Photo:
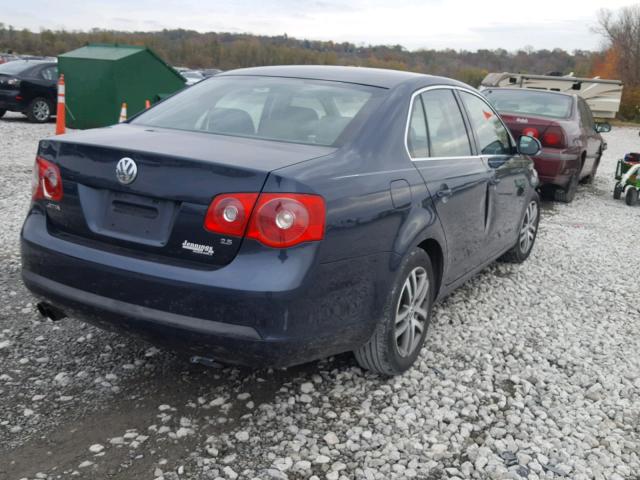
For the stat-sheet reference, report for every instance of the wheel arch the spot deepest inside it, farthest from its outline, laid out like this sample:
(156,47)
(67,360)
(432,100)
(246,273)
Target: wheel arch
(436,254)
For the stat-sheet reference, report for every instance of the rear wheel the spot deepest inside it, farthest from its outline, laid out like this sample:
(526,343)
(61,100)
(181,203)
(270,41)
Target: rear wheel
(568,193)
(617,191)
(631,198)
(399,337)
(39,110)
(526,236)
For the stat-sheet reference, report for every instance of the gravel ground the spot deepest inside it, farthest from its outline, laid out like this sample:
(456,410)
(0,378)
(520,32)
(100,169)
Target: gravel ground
(530,371)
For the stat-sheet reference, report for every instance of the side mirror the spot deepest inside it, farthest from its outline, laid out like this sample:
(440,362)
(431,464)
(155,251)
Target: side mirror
(529,145)
(603,127)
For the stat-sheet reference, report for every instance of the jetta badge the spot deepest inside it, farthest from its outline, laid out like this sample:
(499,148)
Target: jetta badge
(126,170)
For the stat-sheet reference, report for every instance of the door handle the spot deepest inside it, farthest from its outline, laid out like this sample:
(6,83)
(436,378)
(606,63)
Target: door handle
(444,192)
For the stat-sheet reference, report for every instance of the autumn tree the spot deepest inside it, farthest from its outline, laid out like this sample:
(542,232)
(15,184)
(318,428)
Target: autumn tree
(621,59)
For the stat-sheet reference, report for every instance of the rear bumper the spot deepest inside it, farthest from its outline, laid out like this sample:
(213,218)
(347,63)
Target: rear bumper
(556,166)
(267,307)
(11,100)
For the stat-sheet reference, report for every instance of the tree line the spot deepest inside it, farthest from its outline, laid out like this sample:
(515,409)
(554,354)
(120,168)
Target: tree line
(189,48)
(621,58)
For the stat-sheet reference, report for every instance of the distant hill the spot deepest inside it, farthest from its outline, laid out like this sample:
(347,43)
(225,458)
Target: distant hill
(229,50)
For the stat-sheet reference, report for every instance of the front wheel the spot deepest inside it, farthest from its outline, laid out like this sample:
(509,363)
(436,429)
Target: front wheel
(39,110)
(527,234)
(631,198)
(592,176)
(617,191)
(399,336)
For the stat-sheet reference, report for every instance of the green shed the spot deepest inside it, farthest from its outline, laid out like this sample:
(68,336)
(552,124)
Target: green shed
(100,77)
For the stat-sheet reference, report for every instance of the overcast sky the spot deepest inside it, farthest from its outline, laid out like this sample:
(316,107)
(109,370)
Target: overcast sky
(411,23)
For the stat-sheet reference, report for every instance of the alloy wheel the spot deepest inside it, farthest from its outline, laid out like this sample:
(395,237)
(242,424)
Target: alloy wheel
(41,110)
(411,314)
(529,227)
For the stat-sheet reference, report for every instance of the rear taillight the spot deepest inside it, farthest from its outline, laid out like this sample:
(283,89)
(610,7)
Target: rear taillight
(277,220)
(229,214)
(47,181)
(284,220)
(553,137)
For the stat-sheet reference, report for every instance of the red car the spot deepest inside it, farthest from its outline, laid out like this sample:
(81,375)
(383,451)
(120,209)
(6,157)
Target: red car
(571,140)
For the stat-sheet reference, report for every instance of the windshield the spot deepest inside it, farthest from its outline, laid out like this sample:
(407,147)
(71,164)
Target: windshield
(271,108)
(529,102)
(16,67)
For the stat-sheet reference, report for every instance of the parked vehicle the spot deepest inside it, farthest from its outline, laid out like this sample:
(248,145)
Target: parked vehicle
(210,72)
(276,215)
(29,87)
(628,178)
(7,57)
(571,142)
(192,76)
(602,96)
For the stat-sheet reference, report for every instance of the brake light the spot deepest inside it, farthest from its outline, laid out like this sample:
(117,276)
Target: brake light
(553,137)
(47,181)
(229,214)
(283,220)
(276,220)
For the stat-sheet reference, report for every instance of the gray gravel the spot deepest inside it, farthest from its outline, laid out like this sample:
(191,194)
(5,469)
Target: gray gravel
(530,371)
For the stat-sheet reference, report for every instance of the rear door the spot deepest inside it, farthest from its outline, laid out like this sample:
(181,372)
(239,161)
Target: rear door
(507,169)
(456,177)
(592,138)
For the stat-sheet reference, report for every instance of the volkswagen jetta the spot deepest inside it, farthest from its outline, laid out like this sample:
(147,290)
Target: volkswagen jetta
(276,215)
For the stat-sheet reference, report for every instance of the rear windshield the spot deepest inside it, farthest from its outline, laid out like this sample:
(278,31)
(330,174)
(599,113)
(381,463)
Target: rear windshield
(16,67)
(529,102)
(285,109)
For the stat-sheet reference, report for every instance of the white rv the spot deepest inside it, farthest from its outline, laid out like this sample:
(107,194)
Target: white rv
(603,96)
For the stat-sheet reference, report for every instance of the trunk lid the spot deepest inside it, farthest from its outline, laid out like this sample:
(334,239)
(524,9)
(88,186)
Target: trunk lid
(519,123)
(160,214)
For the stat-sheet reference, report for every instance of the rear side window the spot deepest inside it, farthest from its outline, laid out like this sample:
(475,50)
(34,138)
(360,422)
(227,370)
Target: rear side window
(49,73)
(445,126)
(285,109)
(490,133)
(417,135)
(586,118)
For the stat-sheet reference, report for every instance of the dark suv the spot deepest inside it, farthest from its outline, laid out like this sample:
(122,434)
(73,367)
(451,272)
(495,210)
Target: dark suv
(29,87)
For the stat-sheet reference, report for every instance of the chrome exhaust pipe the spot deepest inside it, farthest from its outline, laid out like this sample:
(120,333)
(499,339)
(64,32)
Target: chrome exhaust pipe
(207,362)
(50,312)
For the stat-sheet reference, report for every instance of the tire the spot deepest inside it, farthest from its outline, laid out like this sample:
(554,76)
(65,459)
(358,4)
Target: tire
(527,234)
(631,198)
(592,175)
(39,110)
(388,352)
(568,193)
(617,191)
(2,112)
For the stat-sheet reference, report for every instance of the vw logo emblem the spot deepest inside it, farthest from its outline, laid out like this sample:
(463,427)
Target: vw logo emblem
(126,170)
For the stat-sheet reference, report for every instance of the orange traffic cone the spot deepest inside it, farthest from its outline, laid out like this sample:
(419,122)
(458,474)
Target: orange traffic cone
(123,113)
(60,111)
(147,104)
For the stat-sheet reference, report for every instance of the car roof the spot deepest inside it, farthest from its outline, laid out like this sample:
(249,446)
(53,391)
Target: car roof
(376,77)
(17,67)
(534,90)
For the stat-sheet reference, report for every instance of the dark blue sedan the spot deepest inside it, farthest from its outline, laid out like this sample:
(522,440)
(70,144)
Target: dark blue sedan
(276,215)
